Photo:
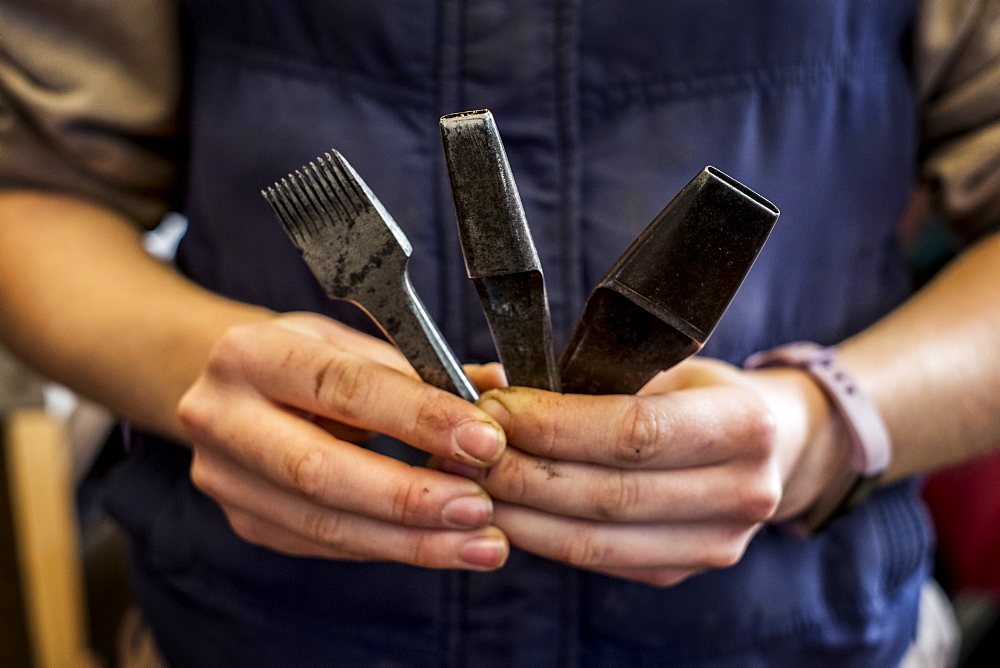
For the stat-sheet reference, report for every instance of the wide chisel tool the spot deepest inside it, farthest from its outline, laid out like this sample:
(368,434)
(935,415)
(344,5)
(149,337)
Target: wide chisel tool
(358,253)
(660,302)
(500,257)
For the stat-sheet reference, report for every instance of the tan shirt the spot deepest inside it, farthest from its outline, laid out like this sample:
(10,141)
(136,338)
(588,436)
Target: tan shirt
(90,93)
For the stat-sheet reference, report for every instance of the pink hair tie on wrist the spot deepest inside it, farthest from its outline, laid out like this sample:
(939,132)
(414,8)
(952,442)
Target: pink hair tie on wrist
(871,445)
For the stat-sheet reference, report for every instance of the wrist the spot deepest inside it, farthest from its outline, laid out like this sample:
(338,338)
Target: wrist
(848,446)
(811,442)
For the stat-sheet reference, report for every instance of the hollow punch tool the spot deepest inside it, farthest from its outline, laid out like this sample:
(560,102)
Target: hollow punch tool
(359,254)
(500,256)
(661,300)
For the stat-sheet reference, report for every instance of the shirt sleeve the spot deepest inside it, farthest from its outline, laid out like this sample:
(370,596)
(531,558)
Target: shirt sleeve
(957,62)
(89,97)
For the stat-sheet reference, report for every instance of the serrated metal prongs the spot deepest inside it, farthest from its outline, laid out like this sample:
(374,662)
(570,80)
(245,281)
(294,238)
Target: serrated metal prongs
(358,253)
(334,172)
(321,192)
(283,202)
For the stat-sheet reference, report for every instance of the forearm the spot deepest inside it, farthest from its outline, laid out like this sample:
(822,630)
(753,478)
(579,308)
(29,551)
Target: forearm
(86,305)
(933,366)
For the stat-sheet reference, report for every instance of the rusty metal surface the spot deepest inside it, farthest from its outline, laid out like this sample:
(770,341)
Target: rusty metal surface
(500,256)
(359,254)
(660,302)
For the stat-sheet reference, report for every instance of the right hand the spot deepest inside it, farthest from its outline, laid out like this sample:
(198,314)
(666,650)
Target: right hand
(275,420)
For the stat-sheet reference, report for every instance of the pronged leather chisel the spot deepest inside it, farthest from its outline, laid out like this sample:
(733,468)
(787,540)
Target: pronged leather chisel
(358,253)
(500,256)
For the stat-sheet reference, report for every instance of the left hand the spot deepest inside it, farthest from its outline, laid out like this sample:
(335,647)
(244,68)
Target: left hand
(661,485)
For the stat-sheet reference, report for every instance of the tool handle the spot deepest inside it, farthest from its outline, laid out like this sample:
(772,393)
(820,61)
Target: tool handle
(408,325)
(517,312)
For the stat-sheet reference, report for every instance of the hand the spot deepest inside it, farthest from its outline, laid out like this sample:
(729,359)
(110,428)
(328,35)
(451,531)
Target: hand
(658,486)
(274,422)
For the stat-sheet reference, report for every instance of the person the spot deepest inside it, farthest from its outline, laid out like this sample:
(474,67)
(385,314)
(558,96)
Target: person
(277,510)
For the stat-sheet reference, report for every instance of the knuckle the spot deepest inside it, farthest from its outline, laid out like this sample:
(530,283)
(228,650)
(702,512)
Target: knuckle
(195,409)
(345,386)
(585,550)
(643,433)
(324,527)
(188,411)
(405,507)
(519,488)
(620,493)
(308,471)
(422,551)
(247,528)
(727,551)
(435,414)
(759,430)
(759,500)
(203,477)
(508,479)
(231,350)
(548,437)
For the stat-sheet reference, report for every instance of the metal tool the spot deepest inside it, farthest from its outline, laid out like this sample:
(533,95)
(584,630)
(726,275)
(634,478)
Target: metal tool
(359,254)
(660,302)
(500,257)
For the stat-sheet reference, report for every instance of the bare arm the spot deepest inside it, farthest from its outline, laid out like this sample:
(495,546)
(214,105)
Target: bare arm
(85,304)
(933,366)
(89,95)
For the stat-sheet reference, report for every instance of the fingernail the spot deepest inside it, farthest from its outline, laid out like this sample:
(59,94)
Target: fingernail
(479,440)
(468,512)
(495,410)
(486,551)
